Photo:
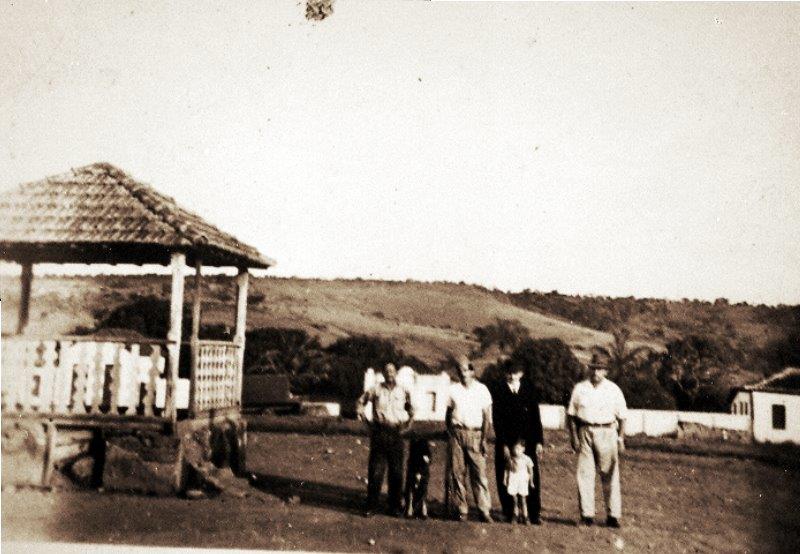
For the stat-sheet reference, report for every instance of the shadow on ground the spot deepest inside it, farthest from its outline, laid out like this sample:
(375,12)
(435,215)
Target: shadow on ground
(326,495)
(313,493)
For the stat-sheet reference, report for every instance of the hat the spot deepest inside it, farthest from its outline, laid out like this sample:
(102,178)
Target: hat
(597,363)
(512,367)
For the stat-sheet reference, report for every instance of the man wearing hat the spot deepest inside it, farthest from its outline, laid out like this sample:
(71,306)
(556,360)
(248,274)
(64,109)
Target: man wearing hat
(515,416)
(596,415)
(468,417)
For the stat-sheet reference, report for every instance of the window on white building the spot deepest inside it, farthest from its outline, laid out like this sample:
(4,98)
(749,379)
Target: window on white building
(778,416)
(432,400)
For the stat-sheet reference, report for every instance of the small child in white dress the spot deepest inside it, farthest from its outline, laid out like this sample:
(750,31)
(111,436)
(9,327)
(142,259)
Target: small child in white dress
(517,479)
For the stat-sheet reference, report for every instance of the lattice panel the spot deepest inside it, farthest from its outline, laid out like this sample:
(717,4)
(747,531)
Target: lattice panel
(216,377)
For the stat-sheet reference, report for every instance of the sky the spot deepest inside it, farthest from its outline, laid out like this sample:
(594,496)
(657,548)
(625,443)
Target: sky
(610,149)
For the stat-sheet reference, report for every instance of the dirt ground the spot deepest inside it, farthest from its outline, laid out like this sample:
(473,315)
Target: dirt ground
(309,490)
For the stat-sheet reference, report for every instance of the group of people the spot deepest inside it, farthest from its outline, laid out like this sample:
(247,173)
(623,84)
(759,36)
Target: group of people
(596,422)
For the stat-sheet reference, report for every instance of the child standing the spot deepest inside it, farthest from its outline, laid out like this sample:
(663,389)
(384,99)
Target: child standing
(517,479)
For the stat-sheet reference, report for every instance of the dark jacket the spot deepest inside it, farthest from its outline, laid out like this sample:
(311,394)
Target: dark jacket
(516,416)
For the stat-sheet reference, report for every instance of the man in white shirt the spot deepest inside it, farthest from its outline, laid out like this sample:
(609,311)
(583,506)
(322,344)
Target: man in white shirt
(596,414)
(392,414)
(468,419)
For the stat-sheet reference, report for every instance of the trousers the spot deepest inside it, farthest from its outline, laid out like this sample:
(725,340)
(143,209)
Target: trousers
(385,449)
(465,456)
(598,452)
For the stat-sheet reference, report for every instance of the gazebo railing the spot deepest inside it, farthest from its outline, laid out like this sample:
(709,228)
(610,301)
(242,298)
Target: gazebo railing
(87,375)
(216,377)
(113,377)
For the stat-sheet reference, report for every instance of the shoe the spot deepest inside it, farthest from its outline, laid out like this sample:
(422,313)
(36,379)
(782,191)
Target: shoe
(460,517)
(368,513)
(585,522)
(394,512)
(612,522)
(486,518)
(536,521)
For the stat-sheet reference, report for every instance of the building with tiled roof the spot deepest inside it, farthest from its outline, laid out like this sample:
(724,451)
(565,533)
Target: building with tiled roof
(773,405)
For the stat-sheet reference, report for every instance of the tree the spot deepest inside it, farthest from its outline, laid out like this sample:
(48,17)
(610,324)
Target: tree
(549,364)
(633,371)
(689,369)
(507,334)
(783,351)
(641,387)
(620,359)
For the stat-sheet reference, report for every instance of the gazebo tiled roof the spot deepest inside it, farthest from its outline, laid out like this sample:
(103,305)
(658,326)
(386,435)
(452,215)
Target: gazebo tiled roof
(99,214)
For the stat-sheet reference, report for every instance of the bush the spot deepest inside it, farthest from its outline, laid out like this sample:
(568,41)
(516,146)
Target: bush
(147,315)
(507,334)
(350,357)
(280,350)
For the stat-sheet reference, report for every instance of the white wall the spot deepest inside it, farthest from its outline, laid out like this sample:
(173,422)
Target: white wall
(742,404)
(762,417)
(429,397)
(429,394)
(654,422)
(717,420)
(553,417)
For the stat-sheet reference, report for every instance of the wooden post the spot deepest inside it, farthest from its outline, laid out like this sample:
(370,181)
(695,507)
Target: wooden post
(242,280)
(24,296)
(50,445)
(174,335)
(195,340)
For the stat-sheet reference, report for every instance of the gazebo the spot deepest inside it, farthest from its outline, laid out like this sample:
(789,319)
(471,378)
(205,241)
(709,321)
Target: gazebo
(99,214)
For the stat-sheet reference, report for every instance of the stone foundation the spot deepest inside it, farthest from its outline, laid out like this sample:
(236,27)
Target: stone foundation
(146,462)
(24,446)
(143,462)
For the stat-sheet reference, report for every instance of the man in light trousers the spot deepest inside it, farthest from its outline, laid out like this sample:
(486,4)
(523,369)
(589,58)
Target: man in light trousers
(468,419)
(597,413)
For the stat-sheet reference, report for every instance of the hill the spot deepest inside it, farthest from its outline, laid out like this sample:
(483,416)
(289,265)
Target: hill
(428,320)
(762,338)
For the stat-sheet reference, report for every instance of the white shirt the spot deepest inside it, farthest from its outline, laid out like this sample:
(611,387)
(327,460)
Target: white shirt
(599,404)
(468,403)
(389,405)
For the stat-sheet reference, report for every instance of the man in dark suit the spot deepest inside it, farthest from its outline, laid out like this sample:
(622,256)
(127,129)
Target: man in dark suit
(515,410)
